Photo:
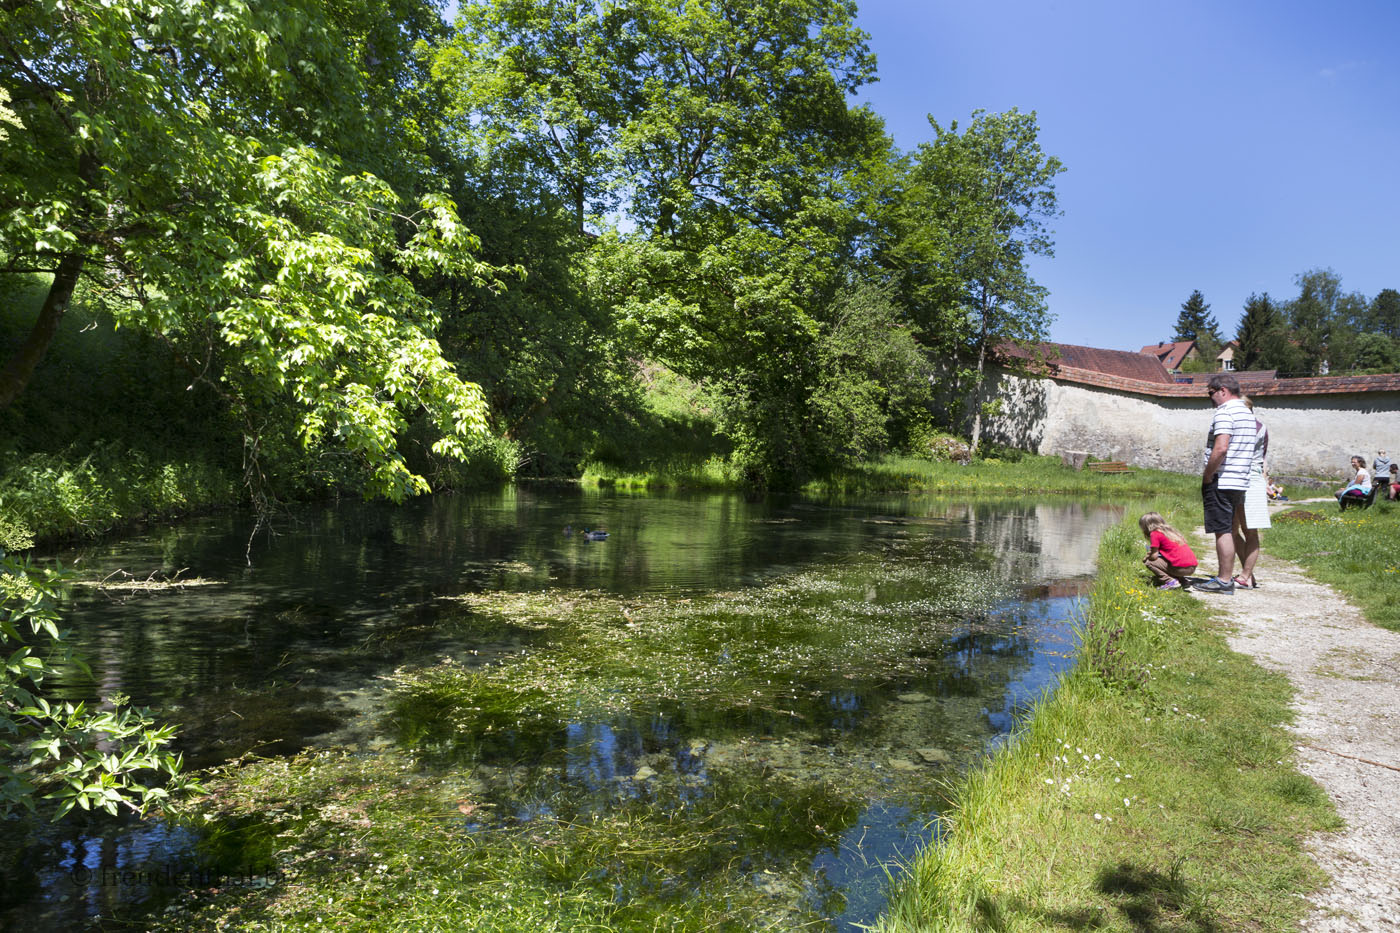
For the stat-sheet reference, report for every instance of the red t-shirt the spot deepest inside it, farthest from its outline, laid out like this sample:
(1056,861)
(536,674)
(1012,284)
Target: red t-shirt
(1176,553)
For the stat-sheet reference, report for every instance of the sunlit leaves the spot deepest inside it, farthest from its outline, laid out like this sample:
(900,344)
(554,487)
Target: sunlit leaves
(192,157)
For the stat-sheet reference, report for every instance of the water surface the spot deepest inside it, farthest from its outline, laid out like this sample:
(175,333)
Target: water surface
(842,656)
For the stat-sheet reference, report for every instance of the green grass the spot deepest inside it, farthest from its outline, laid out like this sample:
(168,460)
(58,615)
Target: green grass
(713,473)
(1155,790)
(1016,474)
(1354,551)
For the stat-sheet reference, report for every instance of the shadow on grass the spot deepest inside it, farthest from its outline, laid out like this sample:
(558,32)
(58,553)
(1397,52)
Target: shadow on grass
(1145,900)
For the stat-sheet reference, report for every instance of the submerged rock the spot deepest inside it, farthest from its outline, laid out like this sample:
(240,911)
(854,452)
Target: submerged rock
(934,756)
(913,697)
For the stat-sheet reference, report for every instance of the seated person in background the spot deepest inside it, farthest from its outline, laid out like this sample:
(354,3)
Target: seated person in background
(1360,484)
(1393,490)
(1275,491)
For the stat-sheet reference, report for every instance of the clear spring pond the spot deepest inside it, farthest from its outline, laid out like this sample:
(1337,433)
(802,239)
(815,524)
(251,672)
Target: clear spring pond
(780,685)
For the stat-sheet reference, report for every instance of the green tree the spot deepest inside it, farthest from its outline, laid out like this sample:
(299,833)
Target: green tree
(1384,314)
(1377,353)
(1312,316)
(55,756)
(182,158)
(875,390)
(1257,327)
(1195,322)
(984,196)
(540,89)
(723,136)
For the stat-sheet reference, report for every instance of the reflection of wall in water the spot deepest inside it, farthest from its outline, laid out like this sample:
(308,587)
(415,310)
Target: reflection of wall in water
(1040,542)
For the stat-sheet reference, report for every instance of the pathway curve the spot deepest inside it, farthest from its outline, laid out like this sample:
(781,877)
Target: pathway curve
(1346,673)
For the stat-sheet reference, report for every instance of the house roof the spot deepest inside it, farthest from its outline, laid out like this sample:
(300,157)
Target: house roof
(1170,355)
(1122,363)
(1141,373)
(1241,375)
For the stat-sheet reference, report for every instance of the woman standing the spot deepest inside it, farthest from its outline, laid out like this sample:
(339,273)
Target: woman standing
(1255,516)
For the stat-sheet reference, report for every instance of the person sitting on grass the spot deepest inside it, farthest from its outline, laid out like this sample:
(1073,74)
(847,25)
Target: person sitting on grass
(1169,557)
(1392,491)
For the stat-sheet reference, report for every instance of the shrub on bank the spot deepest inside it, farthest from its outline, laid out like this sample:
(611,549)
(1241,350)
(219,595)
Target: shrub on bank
(45,496)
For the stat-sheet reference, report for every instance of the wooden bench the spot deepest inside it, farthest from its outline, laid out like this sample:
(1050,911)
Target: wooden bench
(1110,466)
(1360,502)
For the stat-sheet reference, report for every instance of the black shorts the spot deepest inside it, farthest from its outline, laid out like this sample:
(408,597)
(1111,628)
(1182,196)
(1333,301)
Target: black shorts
(1220,505)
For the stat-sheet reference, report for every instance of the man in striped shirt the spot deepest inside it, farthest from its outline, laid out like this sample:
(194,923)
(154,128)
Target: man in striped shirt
(1228,456)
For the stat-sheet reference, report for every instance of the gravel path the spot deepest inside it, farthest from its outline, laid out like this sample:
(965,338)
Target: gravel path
(1346,672)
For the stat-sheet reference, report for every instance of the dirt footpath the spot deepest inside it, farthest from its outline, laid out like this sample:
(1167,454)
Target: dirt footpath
(1347,675)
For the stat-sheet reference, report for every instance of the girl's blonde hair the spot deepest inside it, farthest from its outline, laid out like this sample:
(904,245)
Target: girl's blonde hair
(1153,521)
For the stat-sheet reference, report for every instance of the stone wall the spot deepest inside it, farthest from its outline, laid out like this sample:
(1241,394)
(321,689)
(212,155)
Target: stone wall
(1314,426)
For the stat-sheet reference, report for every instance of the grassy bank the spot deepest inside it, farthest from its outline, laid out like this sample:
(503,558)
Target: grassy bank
(48,497)
(1353,551)
(1155,789)
(1013,474)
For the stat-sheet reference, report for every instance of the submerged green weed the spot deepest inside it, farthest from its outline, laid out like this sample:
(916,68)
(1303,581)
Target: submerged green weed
(781,648)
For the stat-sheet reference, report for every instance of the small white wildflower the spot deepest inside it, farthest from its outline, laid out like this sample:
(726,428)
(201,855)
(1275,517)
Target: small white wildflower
(1098,816)
(1125,802)
(1098,757)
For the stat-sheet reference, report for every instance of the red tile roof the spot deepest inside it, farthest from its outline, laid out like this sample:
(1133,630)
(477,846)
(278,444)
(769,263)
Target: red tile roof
(1142,374)
(1316,385)
(1115,362)
(1170,355)
(1243,375)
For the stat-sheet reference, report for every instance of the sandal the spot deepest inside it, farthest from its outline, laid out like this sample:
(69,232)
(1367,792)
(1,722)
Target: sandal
(1249,584)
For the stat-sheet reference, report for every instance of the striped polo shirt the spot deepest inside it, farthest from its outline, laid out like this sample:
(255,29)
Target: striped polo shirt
(1235,419)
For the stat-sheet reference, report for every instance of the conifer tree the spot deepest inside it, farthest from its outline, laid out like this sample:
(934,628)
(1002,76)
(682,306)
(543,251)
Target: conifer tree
(1260,323)
(1195,322)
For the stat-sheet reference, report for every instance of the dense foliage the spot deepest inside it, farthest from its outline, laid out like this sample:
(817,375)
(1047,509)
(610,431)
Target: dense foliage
(1320,331)
(279,197)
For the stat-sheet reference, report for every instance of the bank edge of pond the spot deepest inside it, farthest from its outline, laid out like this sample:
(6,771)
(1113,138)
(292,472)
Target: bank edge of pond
(49,500)
(1156,788)
(1014,473)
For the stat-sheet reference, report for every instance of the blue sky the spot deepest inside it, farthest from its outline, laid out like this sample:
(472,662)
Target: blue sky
(1220,146)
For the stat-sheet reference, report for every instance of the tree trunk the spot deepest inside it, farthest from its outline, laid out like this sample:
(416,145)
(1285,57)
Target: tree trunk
(21,366)
(977,401)
(977,380)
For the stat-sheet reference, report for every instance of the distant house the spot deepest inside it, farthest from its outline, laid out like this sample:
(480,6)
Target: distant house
(1172,355)
(1226,359)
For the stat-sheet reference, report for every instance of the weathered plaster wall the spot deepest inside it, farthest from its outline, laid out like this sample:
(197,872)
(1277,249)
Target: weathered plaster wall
(1311,435)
